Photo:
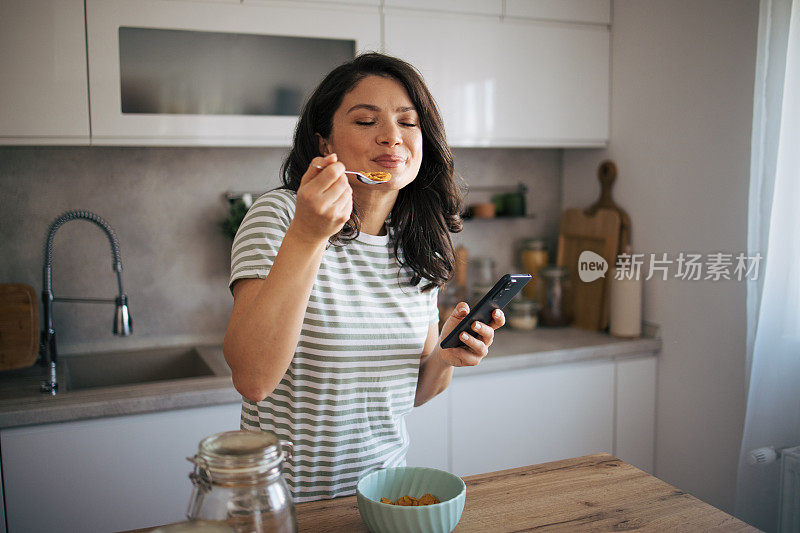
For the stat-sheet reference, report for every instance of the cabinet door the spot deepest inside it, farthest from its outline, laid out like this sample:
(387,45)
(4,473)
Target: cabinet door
(43,96)
(108,474)
(482,7)
(510,419)
(588,11)
(636,409)
(512,82)
(188,73)
(428,429)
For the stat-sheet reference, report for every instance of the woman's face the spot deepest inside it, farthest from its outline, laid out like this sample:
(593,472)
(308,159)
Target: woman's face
(376,128)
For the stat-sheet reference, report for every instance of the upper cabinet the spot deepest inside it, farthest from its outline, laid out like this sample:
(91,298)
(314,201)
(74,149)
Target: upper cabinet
(587,11)
(511,81)
(188,73)
(528,73)
(475,7)
(43,96)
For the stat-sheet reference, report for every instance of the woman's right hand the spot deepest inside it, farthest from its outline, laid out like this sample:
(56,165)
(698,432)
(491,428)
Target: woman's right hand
(324,201)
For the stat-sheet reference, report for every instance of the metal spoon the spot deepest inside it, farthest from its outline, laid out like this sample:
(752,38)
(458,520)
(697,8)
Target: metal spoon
(361,177)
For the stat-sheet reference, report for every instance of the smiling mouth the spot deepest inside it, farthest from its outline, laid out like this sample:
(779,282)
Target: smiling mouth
(390,162)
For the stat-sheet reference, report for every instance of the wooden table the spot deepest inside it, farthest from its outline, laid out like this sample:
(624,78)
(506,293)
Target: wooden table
(591,493)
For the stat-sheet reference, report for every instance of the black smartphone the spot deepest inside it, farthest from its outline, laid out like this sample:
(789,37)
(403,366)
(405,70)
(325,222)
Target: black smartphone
(497,298)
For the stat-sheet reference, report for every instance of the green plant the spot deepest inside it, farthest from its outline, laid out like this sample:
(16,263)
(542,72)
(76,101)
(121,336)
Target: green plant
(236,213)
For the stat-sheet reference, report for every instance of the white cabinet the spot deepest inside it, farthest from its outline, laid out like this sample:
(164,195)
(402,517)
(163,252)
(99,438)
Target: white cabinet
(188,73)
(476,7)
(429,430)
(509,82)
(586,11)
(531,73)
(497,420)
(43,96)
(510,419)
(107,474)
(636,412)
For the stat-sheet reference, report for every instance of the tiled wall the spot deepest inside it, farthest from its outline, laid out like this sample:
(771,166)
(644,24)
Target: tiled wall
(165,205)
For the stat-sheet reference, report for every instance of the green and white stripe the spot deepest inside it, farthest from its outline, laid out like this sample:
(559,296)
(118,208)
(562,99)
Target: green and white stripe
(353,377)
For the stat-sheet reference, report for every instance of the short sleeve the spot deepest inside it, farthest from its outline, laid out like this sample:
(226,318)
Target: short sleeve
(260,235)
(433,306)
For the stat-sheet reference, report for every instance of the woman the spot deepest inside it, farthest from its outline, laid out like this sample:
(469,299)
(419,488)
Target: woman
(334,334)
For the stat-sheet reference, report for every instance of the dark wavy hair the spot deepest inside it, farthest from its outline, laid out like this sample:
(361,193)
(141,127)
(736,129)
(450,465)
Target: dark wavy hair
(428,209)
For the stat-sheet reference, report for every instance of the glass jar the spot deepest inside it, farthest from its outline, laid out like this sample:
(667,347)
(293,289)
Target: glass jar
(483,279)
(237,479)
(533,257)
(557,306)
(523,314)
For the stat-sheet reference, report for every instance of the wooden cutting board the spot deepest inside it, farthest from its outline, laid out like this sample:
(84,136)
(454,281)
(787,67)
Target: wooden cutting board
(19,326)
(600,234)
(607,174)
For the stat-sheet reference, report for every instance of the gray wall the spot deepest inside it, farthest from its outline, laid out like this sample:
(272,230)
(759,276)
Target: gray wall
(682,101)
(165,205)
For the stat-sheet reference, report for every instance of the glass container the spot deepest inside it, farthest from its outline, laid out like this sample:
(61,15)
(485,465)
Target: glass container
(483,279)
(523,314)
(237,479)
(557,305)
(533,257)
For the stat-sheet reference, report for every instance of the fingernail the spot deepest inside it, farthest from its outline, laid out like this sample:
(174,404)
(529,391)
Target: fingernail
(477,327)
(464,336)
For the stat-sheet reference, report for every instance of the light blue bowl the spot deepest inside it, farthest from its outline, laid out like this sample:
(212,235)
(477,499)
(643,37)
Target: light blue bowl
(413,481)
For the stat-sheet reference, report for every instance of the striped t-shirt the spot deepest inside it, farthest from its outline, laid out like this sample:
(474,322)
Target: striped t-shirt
(353,377)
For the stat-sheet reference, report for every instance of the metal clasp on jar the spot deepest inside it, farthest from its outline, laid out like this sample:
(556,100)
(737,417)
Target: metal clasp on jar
(201,476)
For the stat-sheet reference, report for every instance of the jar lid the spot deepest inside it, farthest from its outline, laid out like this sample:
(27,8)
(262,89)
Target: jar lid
(230,452)
(554,272)
(534,244)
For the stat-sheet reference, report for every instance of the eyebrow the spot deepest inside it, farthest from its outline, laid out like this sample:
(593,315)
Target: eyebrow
(376,108)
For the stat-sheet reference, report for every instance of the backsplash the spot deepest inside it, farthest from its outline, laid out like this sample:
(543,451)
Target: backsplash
(165,205)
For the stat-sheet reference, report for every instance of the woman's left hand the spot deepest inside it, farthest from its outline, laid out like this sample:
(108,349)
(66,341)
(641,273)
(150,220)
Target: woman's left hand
(476,348)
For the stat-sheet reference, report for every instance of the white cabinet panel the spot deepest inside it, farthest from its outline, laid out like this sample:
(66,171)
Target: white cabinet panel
(428,429)
(43,96)
(590,11)
(108,474)
(374,3)
(512,419)
(510,83)
(222,124)
(482,7)
(636,406)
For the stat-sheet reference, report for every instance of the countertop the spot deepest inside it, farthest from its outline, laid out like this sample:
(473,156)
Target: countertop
(22,405)
(591,493)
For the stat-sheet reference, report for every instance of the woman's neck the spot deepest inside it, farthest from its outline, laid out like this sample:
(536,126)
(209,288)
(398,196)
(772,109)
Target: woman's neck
(374,209)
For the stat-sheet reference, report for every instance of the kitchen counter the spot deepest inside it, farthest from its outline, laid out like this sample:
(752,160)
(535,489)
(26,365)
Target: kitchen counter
(591,493)
(23,405)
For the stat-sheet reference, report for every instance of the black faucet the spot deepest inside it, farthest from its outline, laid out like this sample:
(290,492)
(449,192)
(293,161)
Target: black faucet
(123,326)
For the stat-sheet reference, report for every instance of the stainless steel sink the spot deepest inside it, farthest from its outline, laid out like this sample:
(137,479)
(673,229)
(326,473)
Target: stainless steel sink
(115,369)
(134,367)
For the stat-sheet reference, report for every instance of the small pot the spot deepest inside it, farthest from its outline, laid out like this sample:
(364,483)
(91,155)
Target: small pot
(484,210)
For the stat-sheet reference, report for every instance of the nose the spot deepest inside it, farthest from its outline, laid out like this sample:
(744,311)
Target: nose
(390,135)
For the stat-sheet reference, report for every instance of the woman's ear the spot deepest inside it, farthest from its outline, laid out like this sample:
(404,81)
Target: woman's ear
(322,145)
